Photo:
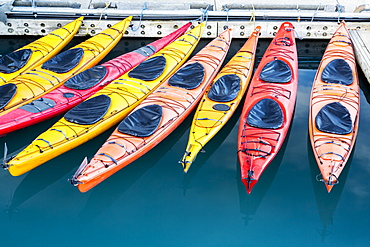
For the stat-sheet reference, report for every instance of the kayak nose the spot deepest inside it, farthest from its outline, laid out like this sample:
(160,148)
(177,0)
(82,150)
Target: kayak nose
(249,181)
(331,182)
(329,187)
(186,162)
(249,184)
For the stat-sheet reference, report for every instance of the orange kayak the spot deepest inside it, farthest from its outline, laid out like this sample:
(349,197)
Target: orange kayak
(334,107)
(157,116)
(269,105)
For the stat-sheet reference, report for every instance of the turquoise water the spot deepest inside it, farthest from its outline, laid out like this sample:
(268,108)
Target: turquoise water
(152,203)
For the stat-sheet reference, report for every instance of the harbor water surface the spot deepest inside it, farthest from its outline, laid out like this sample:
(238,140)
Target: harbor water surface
(152,202)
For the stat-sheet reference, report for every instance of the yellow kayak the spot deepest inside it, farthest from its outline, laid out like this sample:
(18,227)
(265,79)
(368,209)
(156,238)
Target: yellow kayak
(107,107)
(32,84)
(37,52)
(221,99)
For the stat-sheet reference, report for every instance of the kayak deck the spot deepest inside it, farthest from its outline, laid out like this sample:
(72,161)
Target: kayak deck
(335,105)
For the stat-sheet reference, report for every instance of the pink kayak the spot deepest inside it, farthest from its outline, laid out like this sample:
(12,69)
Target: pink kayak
(81,86)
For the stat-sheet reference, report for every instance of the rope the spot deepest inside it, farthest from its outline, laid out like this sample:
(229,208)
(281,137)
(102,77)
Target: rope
(141,16)
(107,4)
(204,16)
(339,9)
(297,34)
(316,11)
(227,15)
(253,16)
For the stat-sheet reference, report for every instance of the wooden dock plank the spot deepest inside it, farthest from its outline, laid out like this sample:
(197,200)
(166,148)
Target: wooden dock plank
(361,42)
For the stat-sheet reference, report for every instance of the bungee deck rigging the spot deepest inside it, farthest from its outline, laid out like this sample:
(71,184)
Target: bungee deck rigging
(37,52)
(81,86)
(221,99)
(269,106)
(262,144)
(34,83)
(335,104)
(160,113)
(65,135)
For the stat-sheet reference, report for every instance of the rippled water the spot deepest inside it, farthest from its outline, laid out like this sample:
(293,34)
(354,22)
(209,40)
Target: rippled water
(152,203)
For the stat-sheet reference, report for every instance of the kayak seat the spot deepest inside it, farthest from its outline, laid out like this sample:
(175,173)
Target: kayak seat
(276,71)
(14,61)
(225,89)
(337,71)
(188,77)
(149,70)
(142,122)
(89,111)
(38,105)
(87,79)
(7,91)
(65,61)
(266,114)
(334,118)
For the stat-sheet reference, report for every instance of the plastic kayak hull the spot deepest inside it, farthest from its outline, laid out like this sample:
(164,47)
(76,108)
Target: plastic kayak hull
(120,96)
(166,108)
(37,52)
(221,99)
(68,95)
(34,83)
(334,107)
(269,106)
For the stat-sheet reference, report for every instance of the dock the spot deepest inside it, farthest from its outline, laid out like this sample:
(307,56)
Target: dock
(361,42)
(312,20)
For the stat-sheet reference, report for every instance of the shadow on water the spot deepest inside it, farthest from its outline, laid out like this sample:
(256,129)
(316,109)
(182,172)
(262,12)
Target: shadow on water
(210,148)
(364,84)
(249,203)
(262,45)
(326,202)
(117,184)
(47,174)
(16,141)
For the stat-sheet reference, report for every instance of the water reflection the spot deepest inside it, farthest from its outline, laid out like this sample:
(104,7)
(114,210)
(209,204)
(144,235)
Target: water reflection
(142,205)
(249,203)
(210,148)
(30,185)
(326,202)
(99,200)
(47,174)
(364,85)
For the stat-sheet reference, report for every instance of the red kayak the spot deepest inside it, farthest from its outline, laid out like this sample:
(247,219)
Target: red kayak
(81,86)
(269,106)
